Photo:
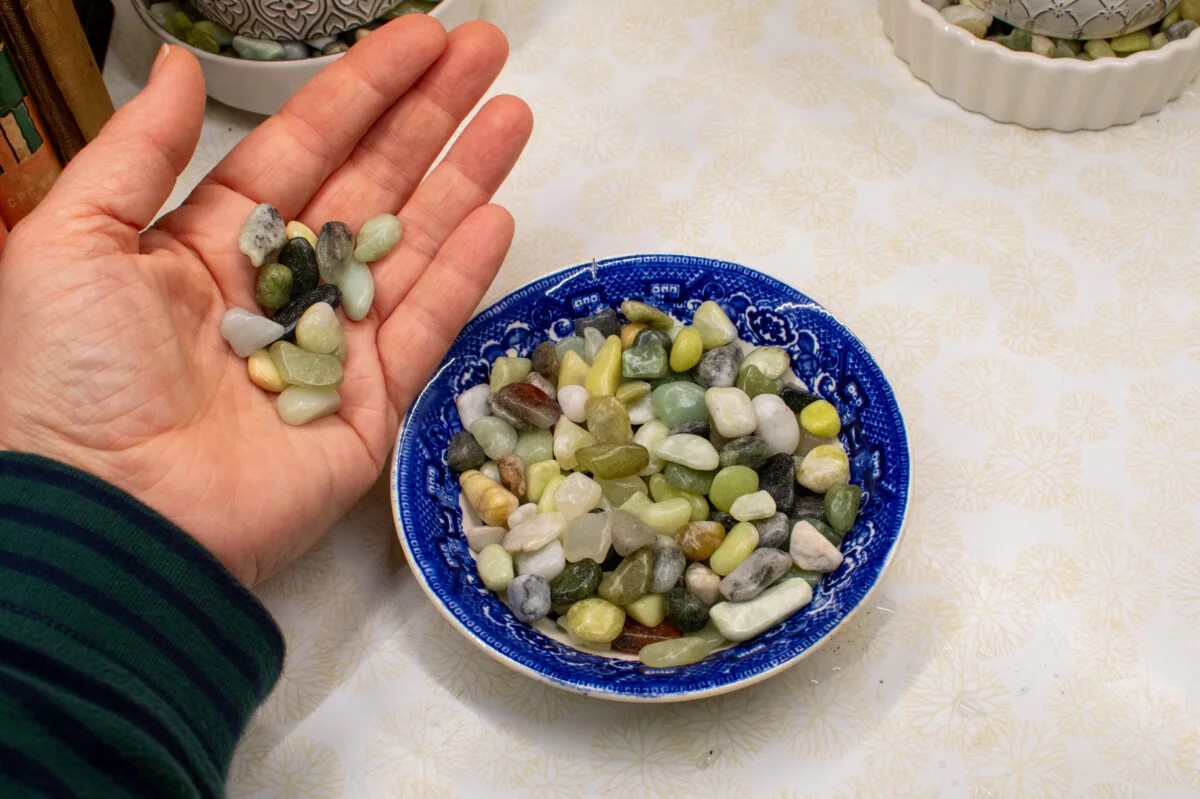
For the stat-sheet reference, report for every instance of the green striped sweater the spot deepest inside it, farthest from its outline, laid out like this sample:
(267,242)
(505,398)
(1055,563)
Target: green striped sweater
(130,659)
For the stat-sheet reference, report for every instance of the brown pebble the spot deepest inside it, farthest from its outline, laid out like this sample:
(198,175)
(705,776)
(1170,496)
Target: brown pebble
(512,473)
(545,360)
(700,539)
(636,635)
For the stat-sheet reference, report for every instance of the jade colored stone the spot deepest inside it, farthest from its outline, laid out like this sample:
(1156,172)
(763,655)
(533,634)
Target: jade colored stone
(650,334)
(318,329)
(201,39)
(749,451)
(737,546)
(823,468)
(538,476)
(674,652)
(607,420)
(741,621)
(572,370)
(569,438)
(686,350)
(259,49)
(754,382)
(300,368)
(179,25)
(620,490)
(605,374)
(676,403)
(666,517)
(630,580)
(661,491)
(534,446)
(821,419)
(613,461)
(650,435)
(222,36)
(576,582)
(715,328)
(509,370)
(377,236)
(771,362)
(686,611)
(496,436)
(648,609)
(495,566)
(828,533)
(633,392)
(697,482)
(274,286)
(636,311)
(841,506)
(637,504)
(647,362)
(568,344)
(730,483)
(596,620)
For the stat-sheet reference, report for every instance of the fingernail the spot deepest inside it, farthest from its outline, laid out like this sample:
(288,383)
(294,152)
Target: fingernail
(160,59)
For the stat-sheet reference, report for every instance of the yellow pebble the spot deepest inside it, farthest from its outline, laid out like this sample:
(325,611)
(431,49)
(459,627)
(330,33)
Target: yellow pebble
(649,609)
(820,418)
(538,476)
(299,230)
(737,546)
(547,503)
(605,374)
(595,619)
(573,370)
(264,373)
(629,333)
(687,349)
(1190,9)
(492,501)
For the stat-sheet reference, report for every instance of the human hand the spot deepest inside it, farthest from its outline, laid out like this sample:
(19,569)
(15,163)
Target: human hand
(114,361)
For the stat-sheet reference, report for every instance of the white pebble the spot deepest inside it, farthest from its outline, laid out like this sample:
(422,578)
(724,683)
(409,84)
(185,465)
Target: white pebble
(548,561)
(741,621)
(299,405)
(969,18)
(689,450)
(472,404)
(358,289)
(650,435)
(752,507)
(572,399)
(811,550)
(577,495)
(731,410)
(248,332)
(588,536)
(641,411)
(703,582)
(480,537)
(524,513)
(491,471)
(776,424)
(264,230)
(533,535)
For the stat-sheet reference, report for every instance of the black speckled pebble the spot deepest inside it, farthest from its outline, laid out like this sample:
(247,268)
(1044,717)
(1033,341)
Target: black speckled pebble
(796,398)
(605,321)
(719,367)
(299,256)
(778,478)
(693,427)
(464,452)
(686,610)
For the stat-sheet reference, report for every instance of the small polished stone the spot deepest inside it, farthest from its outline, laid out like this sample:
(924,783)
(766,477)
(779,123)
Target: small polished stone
(377,236)
(695,481)
(296,51)
(512,473)
(749,451)
(569,438)
(259,50)
(606,322)
(629,533)
(648,315)
(730,483)
(823,468)
(608,420)
(595,619)
(674,653)
(529,403)
(619,491)
(629,580)
(248,332)
(703,582)
(495,565)
(604,376)
(545,360)
(644,362)
(534,446)
(753,382)
(669,563)
(300,368)
(715,328)
(299,256)
(318,329)
(538,477)
(613,461)
(578,581)
(334,245)
(686,611)
(264,373)
(636,635)
(741,621)
(299,405)
(719,367)
(773,532)
(529,597)
(577,495)
(464,453)
(496,436)
(778,477)
(358,289)
(665,517)
(699,540)
(776,424)
(534,534)
(841,506)
(547,562)
(472,404)
(676,403)
(760,569)
(289,315)
(796,398)
(484,536)
(810,550)
(589,537)
(753,507)
(689,450)
(731,410)
(263,232)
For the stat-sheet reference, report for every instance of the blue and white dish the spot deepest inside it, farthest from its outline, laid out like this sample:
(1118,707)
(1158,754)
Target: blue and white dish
(825,355)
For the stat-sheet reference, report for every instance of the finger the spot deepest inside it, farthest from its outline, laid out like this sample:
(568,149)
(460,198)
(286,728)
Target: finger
(466,179)
(414,339)
(287,158)
(129,170)
(386,166)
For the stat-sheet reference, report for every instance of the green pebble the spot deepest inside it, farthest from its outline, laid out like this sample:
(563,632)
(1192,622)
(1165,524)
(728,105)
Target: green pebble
(636,311)
(672,377)
(535,446)
(637,504)
(573,344)
(161,12)
(841,506)
(613,461)
(202,40)
(648,609)
(820,419)
(221,36)
(750,451)
(607,420)
(179,25)
(730,483)
(274,286)
(1099,48)
(676,403)
(645,362)
(686,349)
(630,580)
(377,236)
(300,368)
(619,491)
(259,49)
(596,620)
(661,491)
(576,582)
(674,652)
(495,566)
(754,382)
(665,517)
(1019,40)
(809,576)
(650,335)
(771,361)
(691,480)
(686,610)
(630,393)
(509,370)
(1130,43)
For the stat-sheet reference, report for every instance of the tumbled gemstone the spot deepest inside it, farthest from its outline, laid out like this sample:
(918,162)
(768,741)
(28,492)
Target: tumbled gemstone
(377,236)
(512,473)
(677,652)
(299,256)
(637,635)
(676,403)
(577,581)
(645,362)
(301,404)
(530,403)
(300,368)
(700,539)
(760,569)
(605,321)
(612,461)
(464,452)
(589,537)
(545,360)
(248,332)
(263,232)
(686,611)
(749,451)
(630,580)
(608,420)
(529,597)
(319,330)
(719,367)
(334,246)
(629,532)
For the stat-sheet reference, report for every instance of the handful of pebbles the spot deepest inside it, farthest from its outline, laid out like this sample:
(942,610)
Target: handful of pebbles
(298,352)
(186,24)
(652,487)
(1177,25)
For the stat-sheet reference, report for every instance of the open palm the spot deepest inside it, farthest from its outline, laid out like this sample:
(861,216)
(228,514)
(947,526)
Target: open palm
(112,358)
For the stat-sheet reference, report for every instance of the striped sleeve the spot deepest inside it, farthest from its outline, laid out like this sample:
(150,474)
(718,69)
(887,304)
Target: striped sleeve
(130,659)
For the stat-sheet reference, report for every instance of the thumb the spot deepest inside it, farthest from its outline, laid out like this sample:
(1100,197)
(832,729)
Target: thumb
(129,170)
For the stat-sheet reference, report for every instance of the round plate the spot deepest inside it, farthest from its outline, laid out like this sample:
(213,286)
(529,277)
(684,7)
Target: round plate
(825,355)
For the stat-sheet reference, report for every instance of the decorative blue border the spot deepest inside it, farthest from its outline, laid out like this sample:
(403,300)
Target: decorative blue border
(831,360)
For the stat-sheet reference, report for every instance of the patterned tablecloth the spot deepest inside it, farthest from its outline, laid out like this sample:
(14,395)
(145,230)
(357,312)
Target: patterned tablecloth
(1035,300)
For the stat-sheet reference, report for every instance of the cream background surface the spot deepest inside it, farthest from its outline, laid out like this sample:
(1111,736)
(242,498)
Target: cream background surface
(1035,300)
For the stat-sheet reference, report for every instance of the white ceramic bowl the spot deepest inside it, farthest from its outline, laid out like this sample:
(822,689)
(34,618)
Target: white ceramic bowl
(1032,90)
(264,86)
(1079,19)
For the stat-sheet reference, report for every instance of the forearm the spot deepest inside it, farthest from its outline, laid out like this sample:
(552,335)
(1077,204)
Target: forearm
(130,659)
